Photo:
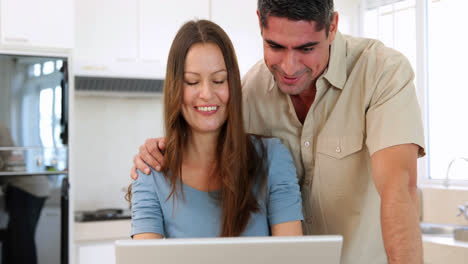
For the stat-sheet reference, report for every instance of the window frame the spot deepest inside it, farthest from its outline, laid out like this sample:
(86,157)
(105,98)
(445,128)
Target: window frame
(422,88)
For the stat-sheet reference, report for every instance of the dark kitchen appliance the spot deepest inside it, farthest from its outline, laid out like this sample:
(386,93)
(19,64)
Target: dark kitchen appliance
(102,215)
(33,159)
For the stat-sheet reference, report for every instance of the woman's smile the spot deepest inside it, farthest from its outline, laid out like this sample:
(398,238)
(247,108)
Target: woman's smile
(207,110)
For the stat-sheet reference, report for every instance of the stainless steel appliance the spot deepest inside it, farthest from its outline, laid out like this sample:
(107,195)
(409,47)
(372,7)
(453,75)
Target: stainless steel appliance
(33,159)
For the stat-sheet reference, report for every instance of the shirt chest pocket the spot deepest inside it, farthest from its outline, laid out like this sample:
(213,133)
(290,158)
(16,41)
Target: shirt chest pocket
(339,147)
(341,173)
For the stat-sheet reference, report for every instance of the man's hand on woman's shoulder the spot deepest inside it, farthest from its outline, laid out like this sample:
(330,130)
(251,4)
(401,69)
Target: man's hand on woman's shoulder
(150,154)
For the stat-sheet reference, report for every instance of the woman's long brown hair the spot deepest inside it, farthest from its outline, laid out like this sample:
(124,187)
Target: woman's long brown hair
(241,165)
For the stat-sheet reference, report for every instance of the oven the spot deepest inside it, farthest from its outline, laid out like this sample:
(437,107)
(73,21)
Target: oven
(33,160)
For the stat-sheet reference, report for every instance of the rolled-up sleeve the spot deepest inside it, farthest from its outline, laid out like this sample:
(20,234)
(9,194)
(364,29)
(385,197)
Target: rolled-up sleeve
(284,202)
(147,214)
(394,116)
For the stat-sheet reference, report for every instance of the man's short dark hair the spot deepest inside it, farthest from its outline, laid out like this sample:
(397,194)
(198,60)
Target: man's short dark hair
(319,11)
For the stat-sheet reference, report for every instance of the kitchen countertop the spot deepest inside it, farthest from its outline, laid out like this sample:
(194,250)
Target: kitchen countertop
(102,230)
(120,229)
(444,249)
(437,249)
(445,240)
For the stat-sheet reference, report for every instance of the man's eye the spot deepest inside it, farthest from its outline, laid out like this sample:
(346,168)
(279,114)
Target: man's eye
(308,49)
(275,47)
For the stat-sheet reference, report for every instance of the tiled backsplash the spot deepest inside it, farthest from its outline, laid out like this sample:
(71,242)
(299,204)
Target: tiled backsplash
(106,134)
(440,205)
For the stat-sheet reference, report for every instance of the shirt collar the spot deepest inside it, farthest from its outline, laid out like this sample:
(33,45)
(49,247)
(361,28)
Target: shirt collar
(336,71)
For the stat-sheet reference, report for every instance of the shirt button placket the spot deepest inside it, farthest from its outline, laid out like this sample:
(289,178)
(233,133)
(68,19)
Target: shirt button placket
(306,154)
(307,159)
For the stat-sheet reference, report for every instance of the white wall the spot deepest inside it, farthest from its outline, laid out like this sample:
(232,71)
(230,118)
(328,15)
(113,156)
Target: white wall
(349,20)
(106,135)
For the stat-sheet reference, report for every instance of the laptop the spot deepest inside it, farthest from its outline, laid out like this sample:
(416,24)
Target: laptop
(243,250)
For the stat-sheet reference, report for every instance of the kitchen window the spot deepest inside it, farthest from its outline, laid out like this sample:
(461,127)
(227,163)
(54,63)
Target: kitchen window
(431,34)
(43,81)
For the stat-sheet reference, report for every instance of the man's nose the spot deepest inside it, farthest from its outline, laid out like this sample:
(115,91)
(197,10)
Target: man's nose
(290,63)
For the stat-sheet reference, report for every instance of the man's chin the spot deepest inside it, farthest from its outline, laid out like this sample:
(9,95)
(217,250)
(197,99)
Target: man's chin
(290,89)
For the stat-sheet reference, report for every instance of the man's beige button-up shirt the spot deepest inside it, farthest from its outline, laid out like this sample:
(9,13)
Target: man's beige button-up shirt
(366,101)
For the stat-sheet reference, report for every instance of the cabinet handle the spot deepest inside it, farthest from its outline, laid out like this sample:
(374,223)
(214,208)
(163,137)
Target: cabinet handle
(151,61)
(94,68)
(17,40)
(126,59)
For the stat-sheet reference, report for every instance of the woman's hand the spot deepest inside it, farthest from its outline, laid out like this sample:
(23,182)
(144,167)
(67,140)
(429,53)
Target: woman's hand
(147,236)
(151,154)
(292,228)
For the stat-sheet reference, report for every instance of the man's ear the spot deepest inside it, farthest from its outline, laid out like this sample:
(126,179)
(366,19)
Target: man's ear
(333,28)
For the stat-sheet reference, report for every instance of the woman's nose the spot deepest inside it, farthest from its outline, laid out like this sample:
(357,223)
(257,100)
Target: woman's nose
(206,91)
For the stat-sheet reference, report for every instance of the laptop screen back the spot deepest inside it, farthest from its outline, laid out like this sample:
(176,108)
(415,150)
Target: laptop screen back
(243,250)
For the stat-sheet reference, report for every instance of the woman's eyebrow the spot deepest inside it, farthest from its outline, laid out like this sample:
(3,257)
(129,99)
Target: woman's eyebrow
(196,73)
(222,70)
(192,73)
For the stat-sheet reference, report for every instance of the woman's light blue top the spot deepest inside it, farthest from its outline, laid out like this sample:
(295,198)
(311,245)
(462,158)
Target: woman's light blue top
(199,214)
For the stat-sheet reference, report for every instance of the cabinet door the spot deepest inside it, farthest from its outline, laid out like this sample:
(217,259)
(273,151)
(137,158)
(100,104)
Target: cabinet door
(53,24)
(239,20)
(106,37)
(91,53)
(96,253)
(159,22)
(14,27)
(37,24)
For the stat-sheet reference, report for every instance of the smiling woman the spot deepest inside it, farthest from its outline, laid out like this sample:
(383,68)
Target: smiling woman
(217,180)
(206,91)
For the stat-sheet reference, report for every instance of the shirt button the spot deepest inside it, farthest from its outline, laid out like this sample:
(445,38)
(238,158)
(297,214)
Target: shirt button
(338,149)
(308,220)
(306,144)
(306,181)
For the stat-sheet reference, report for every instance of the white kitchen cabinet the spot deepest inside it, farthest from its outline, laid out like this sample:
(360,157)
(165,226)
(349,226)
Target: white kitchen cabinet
(94,241)
(159,23)
(34,24)
(129,38)
(239,20)
(106,37)
(96,253)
